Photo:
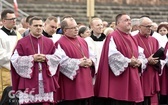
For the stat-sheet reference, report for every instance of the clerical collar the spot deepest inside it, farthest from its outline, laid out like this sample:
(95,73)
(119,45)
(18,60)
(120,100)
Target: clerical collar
(46,34)
(97,36)
(8,32)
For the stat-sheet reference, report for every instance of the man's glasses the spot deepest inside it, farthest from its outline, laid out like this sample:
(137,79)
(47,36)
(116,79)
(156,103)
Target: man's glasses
(76,27)
(11,19)
(148,26)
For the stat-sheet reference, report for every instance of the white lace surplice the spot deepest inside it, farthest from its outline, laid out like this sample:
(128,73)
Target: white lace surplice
(69,66)
(164,63)
(7,44)
(142,58)
(37,98)
(23,65)
(118,62)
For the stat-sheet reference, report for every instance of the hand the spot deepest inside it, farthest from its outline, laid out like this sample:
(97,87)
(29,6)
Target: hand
(82,62)
(152,60)
(133,61)
(138,63)
(85,62)
(89,62)
(39,57)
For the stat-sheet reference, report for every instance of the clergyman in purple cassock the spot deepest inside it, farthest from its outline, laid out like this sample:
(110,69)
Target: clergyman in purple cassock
(118,81)
(34,67)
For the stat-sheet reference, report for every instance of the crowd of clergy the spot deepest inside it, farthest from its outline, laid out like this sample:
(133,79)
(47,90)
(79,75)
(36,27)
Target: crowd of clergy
(64,62)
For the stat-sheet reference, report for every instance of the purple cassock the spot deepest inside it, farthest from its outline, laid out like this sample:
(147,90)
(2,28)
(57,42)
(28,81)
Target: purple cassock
(36,87)
(164,76)
(123,87)
(79,84)
(150,76)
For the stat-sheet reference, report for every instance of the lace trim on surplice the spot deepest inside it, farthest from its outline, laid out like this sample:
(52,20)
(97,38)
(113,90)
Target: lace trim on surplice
(53,62)
(142,58)
(25,98)
(23,66)
(69,68)
(118,63)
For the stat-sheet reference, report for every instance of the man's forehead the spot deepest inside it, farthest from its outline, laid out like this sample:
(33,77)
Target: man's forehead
(37,21)
(52,22)
(124,17)
(10,15)
(147,22)
(97,21)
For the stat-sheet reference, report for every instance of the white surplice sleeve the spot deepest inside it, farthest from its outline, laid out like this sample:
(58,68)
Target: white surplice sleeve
(5,52)
(22,64)
(142,58)
(93,57)
(117,61)
(53,61)
(166,60)
(4,57)
(68,66)
(164,63)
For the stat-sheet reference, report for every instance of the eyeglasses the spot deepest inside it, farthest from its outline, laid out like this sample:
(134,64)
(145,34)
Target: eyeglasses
(76,27)
(148,26)
(11,19)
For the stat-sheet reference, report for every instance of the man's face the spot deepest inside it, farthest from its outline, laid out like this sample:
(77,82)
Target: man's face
(125,23)
(10,20)
(145,27)
(50,27)
(72,29)
(36,27)
(97,26)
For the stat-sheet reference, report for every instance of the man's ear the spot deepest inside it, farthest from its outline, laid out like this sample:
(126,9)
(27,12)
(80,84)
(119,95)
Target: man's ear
(3,20)
(117,22)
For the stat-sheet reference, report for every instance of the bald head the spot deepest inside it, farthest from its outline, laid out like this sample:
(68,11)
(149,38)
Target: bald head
(145,21)
(145,26)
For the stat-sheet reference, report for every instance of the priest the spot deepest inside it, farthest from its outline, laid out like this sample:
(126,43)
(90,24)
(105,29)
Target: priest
(76,66)
(118,81)
(34,67)
(150,75)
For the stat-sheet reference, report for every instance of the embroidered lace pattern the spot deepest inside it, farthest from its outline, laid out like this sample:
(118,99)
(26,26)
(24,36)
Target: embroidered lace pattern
(143,60)
(52,62)
(25,98)
(117,63)
(23,66)
(69,68)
